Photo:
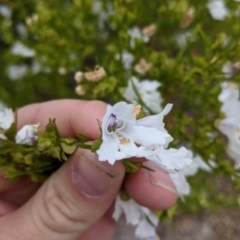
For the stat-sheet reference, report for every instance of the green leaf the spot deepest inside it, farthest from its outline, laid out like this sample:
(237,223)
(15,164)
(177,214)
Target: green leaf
(11,132)
(131,167)
(96,145)
(83,145)
(68,145)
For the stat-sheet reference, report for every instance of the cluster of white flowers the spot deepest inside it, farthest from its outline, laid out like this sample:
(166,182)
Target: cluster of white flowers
(26,135)
(230,126)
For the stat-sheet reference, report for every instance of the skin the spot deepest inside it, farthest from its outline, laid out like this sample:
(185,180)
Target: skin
(59,208)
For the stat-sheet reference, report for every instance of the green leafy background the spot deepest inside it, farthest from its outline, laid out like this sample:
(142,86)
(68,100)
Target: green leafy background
(69,35)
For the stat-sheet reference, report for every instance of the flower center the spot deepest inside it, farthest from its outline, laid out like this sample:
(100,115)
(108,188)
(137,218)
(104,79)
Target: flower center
(114,123)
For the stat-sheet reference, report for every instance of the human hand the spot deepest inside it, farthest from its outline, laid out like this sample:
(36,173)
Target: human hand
(75,202)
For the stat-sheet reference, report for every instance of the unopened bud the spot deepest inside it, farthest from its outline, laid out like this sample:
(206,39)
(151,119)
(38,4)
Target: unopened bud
(78,76)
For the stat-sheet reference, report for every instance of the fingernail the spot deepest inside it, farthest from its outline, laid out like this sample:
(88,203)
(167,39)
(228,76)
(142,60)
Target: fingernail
(91,176)
(160,181)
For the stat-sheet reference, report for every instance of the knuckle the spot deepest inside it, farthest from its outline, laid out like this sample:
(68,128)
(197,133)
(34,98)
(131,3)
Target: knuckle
(60,212)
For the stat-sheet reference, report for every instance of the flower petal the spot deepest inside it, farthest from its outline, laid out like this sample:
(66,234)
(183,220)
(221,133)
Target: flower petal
(155,121)
(180,183)
(171,160)
(108,149)
(148,136)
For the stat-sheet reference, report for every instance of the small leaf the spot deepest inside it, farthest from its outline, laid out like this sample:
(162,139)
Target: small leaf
(96,145)
(68,145)
(11,132)
(124,195)
(83,145)
(131,167)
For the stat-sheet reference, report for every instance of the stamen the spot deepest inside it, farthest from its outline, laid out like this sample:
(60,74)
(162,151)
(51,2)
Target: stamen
(114,123)
(136,110)
(124,141)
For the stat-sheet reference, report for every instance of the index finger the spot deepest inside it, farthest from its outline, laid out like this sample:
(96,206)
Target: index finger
(72,116)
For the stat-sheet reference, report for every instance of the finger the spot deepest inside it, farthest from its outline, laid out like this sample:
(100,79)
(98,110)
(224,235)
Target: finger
(96,230)
(154,190)
(6,208)
(72,116)
(17,192)
(68,203)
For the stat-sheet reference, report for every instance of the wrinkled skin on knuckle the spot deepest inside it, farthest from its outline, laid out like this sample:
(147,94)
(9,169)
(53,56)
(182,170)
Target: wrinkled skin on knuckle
(61,214)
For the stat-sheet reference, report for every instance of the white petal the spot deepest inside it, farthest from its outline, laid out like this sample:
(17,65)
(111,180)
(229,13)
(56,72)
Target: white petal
(155,121)
(171,160)
(217,9)
(132,211)
(148,136)
(26,135)
(21,50)
(197,163)
(6,117)
(117,209)
(5,11)
(108,149)
(145,229)
(180,183)
(15,72)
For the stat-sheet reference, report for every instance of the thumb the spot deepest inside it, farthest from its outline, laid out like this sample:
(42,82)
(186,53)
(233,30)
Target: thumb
(68,203)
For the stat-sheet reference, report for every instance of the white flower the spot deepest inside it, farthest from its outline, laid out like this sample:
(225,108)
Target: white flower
(124,137)
(5,11)
(230,126)
(147,91)
(127,59)
(20,50)
(15,72)
(233,135)
(36,67)
(121,133)
(103,13)
(62,70)
(232,132)
(21,30)
(137,215)
(27,134)
(78,76)
(231,104)
(230,69)
(217,9)
(184,37)
(136,33)
(6,119)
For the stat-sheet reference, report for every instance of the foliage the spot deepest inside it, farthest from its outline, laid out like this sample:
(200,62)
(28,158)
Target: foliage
(187,56)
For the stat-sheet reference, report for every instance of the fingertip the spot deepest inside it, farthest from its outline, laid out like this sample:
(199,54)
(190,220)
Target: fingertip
(154,190)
